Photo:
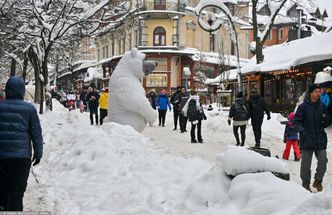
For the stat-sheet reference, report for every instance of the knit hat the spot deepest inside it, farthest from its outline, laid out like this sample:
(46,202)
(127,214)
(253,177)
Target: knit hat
(163,92)
(312,87)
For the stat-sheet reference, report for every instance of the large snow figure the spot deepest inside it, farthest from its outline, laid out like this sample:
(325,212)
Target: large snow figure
(128,104)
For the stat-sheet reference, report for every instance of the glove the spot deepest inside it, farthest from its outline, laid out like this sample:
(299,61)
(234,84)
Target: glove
(268,117)
(229,122)
(205,118)
(35,161)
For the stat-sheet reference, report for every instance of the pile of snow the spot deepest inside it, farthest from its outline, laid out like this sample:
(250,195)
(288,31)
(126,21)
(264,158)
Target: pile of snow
(239,160)
(113,169)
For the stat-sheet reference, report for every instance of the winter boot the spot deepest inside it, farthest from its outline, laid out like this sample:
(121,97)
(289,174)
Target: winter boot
(237,144)
(258,145)
(318,186)
(200,140)
(307,187)
(193,141)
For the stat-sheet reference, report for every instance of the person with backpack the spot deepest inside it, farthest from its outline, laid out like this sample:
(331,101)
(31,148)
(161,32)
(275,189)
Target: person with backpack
(194,111)
(175,101)
(257,107)
(162,104)
(239,112)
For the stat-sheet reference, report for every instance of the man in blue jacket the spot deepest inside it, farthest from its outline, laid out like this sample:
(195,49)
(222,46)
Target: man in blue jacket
(19,126)
(310,120)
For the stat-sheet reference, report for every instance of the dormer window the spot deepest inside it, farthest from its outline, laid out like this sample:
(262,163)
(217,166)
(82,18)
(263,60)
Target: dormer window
(159,36)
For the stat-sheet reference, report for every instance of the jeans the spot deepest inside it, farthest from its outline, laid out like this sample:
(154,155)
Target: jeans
(243,134)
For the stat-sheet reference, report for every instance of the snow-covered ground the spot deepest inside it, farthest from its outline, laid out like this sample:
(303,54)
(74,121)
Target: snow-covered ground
(112,169)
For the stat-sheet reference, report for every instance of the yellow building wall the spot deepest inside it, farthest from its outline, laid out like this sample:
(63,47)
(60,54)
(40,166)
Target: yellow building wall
(152,24)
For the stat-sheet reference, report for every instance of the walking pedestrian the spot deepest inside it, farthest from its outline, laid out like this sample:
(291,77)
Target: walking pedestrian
(152,99)
(194,111)
(162,104)
(183,100)
(92,98)
(257,107)
(175,101)
(19,126)
(239,112)
(103,105)
(310,120)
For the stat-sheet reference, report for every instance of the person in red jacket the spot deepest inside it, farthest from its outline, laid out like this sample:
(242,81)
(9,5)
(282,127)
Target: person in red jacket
(291,139)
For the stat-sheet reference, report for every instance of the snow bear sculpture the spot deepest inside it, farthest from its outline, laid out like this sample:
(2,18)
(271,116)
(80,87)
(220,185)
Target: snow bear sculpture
(127,104)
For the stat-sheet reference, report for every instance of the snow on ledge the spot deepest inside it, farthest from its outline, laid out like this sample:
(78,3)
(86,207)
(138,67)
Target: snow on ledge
(238,160)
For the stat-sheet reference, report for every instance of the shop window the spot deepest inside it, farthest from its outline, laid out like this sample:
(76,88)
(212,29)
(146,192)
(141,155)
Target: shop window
(159,37)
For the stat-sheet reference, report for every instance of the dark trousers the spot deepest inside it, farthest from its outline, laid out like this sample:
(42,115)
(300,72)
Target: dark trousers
(14,173)
(192,131)
(93,110)
(183,122)
(176,117)
(257,128)
(243,134)
(103,114)
(162,116)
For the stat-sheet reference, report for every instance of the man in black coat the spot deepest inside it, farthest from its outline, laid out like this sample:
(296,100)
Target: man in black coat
(175,101)
(93,98)
(183,119)
(257,107)
(310,119)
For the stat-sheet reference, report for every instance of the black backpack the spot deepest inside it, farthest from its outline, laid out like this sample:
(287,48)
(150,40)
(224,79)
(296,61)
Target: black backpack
(192,111)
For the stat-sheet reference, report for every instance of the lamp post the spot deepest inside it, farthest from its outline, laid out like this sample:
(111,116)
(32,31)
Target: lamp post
(208,21)
(187,74)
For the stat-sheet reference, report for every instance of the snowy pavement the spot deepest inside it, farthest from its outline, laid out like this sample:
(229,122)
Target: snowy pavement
(112,169)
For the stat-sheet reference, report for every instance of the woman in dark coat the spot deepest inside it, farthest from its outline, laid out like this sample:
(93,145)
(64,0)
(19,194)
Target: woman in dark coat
(239,112)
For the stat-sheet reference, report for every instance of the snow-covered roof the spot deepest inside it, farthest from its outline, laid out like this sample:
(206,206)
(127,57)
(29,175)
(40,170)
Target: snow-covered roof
(225,76)
(215,58)
(85,64)
(92,74)
(294,53)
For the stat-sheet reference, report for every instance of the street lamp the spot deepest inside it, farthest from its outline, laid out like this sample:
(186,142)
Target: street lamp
(187,74)
(208,21)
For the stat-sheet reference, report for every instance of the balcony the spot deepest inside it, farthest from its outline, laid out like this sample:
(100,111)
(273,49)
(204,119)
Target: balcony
(169,5)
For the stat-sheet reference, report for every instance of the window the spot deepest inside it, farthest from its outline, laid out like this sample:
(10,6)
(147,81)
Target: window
(281,34)
(119,40)
(103,52)
(130,41)
(270,36)
(98,55)
(159,37)
(160,4)
(106,51)
(124,44)
(113,47)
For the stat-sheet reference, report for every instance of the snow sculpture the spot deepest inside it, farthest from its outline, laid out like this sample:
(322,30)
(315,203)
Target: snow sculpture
(127,103)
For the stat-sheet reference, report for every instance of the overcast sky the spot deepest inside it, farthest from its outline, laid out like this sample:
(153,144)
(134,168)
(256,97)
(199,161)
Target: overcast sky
(327,4)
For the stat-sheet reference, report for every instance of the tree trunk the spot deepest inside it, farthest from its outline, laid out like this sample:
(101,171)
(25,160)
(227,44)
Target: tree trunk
(25,67)
(259,53)
(34,61)
(13,67)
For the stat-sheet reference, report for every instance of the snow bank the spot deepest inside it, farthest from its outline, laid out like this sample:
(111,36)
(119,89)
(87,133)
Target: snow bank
(113,169)
(239,160)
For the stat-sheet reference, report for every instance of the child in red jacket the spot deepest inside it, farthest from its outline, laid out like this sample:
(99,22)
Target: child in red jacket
(291,139)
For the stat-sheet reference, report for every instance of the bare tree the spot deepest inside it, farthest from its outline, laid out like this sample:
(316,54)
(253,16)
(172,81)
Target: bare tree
(260,37)
(43,23)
